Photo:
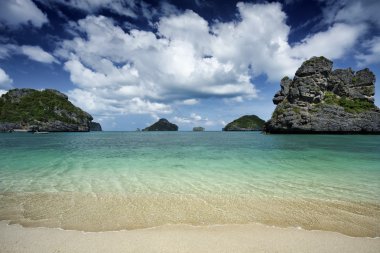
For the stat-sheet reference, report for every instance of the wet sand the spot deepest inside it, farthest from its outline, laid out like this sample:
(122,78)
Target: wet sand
(182,238)
(115,212)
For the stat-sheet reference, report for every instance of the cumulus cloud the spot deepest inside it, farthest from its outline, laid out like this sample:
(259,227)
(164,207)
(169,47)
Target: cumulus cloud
(187,59)
(156,68)
(101,101)
(333,43)
(18,12)
(36,53)
(5,80)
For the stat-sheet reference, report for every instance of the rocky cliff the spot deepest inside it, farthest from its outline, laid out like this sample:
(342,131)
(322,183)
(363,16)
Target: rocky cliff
(162,125)
(46,110)
(321,100)
(245,123)
(95,126)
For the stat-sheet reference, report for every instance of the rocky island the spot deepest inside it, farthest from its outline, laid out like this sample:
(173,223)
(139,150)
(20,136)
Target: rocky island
(162,125)
(245,123)
(321,100)
(47,110)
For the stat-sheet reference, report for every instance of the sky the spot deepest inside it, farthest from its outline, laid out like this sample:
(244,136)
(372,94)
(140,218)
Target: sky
(195,62)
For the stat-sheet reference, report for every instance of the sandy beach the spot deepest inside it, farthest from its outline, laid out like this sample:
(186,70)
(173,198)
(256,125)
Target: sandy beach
(182,238)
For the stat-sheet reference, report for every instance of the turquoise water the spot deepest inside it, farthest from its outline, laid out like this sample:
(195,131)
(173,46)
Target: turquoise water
(228,169)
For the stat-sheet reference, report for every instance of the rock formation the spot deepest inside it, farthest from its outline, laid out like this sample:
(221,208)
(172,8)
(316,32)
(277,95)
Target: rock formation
(322,100)
(245,123)
(162,125)
(198,129)
(47,110)
(95,126)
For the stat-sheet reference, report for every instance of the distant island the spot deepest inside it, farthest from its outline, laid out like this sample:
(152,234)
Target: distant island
(321,100)
(47,110)
(198,129)
(246,123)
(162,125)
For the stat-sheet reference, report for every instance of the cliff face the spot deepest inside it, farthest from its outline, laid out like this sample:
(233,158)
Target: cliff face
(245,123)
(322,100)
(47,110)
(162,125)
(95,126)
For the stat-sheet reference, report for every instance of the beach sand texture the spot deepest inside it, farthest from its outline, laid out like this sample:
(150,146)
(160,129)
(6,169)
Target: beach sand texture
(182,238)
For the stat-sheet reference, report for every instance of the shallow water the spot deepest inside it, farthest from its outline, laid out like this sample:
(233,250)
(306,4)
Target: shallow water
(125,180)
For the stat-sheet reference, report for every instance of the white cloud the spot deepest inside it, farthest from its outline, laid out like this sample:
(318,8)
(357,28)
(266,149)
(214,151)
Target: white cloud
(141,65)
(2,92)
(193,120)
(333,43)
(352,11)
(373,52)
(190,101)
(36,53)
(5,80)
(181,120)
(189,59)
(100,101)
(18,12)
(195,117)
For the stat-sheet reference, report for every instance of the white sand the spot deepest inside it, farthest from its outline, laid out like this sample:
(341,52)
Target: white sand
(181,238)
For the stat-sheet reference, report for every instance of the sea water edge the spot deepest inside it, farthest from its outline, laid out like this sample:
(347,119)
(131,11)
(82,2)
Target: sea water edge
(195,178)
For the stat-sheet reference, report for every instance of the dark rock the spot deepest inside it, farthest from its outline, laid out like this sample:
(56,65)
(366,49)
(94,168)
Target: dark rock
(281,94)
(245,123)
(95,126)
(9,127)
(324,101)
(315,65)
(47,110)
(162,125)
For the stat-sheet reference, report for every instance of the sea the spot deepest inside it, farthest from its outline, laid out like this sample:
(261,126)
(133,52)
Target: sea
(110,181)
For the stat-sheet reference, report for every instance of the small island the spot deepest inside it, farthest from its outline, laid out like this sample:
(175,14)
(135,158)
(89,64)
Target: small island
(321,100)
(198,129)
(48,110)
(162,125)
(245,123)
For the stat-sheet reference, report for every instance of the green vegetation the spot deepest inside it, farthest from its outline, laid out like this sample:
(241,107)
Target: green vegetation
(247,122)
(278,111)
(349,105)
(331,98)
(296,110)
(42,106)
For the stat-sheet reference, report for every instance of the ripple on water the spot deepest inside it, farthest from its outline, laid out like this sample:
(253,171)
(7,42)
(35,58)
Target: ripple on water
(109,181)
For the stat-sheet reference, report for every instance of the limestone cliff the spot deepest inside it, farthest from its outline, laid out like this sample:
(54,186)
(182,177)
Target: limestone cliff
(321,100)
(46,110)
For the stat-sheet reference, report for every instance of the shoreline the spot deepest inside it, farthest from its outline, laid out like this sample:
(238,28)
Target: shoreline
(115,212)
(182,238)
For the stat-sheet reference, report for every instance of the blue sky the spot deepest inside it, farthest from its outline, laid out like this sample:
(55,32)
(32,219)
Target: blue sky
(196,63)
